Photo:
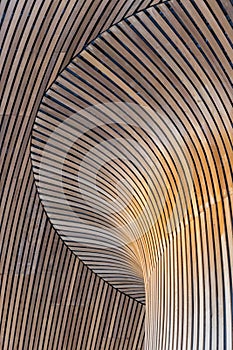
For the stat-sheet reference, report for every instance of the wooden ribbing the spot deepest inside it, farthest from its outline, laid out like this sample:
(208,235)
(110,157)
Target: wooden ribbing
(159,83)
(176,59)
(45,303)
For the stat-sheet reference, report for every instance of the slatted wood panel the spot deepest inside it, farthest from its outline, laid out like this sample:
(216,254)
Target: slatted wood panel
(173,62)
(176,59)
(49,299)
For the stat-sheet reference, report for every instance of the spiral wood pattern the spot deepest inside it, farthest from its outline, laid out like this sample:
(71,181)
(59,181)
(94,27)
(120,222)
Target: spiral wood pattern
(167,71)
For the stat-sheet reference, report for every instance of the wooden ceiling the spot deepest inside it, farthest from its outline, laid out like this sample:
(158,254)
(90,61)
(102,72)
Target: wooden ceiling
(156,77)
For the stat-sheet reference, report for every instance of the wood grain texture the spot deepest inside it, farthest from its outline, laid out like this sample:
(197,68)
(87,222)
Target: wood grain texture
(49,299)
(172,60)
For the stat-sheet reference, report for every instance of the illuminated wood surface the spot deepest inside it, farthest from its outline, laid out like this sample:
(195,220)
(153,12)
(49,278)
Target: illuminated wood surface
(171,244)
